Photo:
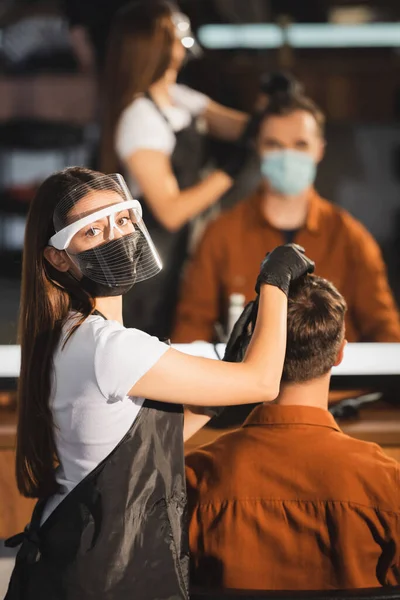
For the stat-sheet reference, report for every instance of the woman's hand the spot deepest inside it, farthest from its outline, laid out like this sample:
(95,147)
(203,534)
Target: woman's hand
(284,265)
(225,123)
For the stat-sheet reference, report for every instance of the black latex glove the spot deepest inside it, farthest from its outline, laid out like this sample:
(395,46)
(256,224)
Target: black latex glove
(234,159)
(284,265)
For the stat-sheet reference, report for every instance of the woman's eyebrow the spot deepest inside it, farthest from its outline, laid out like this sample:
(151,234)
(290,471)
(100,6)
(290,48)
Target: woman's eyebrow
(270,140)
(98,222)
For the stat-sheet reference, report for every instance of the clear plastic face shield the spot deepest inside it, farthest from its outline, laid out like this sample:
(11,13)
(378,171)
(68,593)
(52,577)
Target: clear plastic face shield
(184,33)
(100,226)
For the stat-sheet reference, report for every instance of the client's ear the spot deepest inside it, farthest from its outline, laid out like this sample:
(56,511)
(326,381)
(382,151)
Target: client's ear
(57,258)
(340,354)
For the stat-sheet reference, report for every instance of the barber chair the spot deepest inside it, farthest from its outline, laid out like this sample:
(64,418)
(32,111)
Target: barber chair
(385,593)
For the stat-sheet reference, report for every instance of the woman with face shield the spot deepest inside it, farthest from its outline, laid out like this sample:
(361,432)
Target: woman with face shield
(154,130)
(101,425)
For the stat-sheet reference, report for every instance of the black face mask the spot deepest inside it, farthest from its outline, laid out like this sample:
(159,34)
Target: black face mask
(101,290)
(110,269)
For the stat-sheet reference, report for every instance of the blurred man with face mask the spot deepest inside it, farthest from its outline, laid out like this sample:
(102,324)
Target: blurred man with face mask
(289,135)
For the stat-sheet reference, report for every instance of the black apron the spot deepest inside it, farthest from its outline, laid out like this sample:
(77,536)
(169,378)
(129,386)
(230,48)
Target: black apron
(121,532)
(150,305)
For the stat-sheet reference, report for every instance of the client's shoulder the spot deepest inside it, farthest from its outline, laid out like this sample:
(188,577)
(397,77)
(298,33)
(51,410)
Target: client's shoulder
(235,217)
(365,469)
(341,220)
(209,466)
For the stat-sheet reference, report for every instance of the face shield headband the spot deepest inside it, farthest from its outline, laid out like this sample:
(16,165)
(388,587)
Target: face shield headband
(183,31)
(99,225)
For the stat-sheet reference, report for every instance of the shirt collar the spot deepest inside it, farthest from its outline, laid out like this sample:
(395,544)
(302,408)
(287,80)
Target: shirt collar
(313,217)
(274,414)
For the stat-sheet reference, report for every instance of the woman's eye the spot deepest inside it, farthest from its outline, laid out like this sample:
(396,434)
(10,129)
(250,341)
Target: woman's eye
(272,146)
(123,221)
(92,232)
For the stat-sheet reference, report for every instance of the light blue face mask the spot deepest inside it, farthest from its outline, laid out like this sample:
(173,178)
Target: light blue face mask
(289,172)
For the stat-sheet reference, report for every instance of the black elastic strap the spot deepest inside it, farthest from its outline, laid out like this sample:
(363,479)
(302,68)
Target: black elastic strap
(158,108)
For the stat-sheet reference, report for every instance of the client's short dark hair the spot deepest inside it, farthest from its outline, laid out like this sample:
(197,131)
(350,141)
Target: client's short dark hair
(315,329)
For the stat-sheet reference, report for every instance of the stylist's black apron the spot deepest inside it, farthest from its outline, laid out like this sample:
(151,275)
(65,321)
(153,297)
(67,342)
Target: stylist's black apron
(150,305)
(120,534)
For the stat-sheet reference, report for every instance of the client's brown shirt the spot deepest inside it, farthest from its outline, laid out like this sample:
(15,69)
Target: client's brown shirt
(229,256)
(288,501)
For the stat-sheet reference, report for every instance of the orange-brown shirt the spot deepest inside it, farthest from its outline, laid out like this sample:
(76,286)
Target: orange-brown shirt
(288,501)
(228,259)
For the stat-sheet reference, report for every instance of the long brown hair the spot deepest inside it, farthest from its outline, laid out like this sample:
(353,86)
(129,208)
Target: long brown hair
(47,296)
(139,53)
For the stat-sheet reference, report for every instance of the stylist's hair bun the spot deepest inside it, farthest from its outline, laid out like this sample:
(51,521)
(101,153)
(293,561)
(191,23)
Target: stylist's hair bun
(280,83)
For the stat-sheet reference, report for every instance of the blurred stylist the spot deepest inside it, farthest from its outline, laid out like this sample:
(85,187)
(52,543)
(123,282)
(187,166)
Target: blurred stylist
(155,129)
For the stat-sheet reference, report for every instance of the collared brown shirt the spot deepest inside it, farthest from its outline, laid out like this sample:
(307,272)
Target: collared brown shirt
(288,501)
(228,259)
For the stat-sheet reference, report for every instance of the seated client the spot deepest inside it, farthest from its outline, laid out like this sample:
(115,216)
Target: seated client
(288,501)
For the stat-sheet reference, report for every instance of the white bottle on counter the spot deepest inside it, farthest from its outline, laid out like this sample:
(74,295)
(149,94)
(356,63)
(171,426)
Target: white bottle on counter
(236,306)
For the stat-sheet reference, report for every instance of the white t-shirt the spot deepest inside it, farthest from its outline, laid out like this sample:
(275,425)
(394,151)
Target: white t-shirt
(141,126)
(93,373)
